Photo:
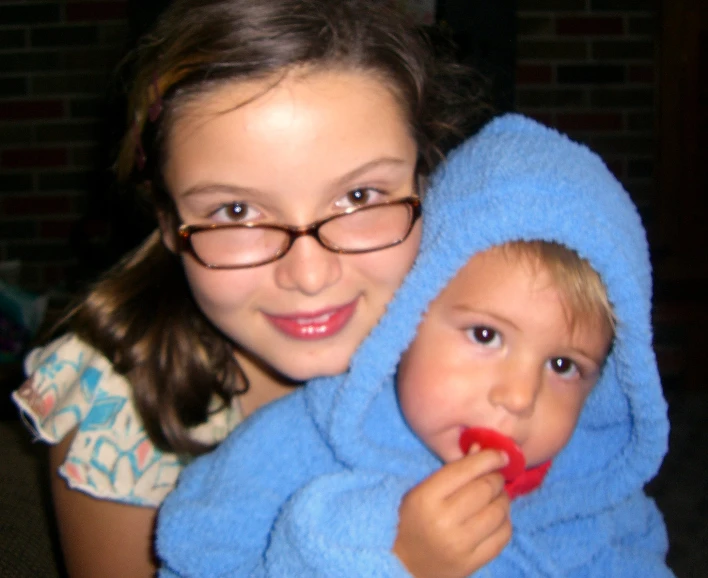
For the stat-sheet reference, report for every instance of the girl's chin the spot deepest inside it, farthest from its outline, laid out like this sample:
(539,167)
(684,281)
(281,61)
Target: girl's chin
(300,373)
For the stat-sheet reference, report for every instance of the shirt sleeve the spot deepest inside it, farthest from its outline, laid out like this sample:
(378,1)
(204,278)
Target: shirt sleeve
(71,386)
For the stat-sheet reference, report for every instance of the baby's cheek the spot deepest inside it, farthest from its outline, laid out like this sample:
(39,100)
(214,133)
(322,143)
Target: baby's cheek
(413,399)
(417,383)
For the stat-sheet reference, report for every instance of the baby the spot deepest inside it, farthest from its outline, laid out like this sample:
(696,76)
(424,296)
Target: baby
(505,358)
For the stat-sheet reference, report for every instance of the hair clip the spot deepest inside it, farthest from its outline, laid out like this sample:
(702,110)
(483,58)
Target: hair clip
(155,108)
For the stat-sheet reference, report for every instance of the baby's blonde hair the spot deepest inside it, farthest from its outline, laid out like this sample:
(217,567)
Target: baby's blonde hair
(584,294)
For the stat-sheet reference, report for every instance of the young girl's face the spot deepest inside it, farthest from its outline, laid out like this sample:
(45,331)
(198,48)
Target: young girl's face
(309,147)
(496,350)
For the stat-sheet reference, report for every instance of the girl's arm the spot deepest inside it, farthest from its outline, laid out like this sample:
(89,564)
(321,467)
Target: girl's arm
(100,537)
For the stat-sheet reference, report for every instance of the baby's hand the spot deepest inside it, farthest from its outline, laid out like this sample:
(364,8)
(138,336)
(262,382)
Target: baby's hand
(457,520)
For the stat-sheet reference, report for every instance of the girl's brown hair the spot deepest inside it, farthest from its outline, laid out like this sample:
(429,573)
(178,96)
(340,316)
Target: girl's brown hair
(141,314)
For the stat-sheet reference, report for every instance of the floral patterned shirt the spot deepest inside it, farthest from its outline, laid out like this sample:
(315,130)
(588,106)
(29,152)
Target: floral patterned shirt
(71,386)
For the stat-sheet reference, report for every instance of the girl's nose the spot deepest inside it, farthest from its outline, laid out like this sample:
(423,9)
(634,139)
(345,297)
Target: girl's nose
(517,392)
(308,267)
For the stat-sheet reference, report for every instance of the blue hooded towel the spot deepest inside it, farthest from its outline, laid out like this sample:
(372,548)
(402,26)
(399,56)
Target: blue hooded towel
(311,485)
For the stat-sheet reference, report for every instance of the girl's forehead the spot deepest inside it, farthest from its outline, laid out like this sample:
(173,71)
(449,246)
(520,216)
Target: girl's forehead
(334,99)
(300,105)
(279,136)
(228,96)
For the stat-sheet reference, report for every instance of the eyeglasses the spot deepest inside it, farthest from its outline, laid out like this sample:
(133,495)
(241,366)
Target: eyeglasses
(356,230)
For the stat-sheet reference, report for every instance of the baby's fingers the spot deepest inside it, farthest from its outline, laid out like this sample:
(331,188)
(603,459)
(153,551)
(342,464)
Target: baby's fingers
(488,518)
(476,495)
(453,477)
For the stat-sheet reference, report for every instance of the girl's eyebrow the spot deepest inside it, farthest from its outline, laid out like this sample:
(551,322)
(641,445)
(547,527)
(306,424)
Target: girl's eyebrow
(202,188)
(368,166)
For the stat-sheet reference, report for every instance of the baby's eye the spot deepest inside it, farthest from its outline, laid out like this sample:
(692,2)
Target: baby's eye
(564,367)
(234,213)
(484,336)
(359,198)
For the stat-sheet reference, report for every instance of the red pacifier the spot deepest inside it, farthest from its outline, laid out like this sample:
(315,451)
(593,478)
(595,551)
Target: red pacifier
(518,480)
(488,439)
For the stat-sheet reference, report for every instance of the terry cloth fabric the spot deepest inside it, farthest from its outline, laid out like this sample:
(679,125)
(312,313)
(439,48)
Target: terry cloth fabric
(311,485)
(71,385)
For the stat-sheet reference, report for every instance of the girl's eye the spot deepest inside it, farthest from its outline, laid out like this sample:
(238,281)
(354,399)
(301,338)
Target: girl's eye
(234,213)
(484,336)
(564,367)
(358,198)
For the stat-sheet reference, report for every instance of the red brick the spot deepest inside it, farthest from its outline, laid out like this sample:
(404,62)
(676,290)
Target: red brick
(93,11)
(30,158)
(31,109)
(36,205)
(55,229)
(95,228)
(641,74)
(531,74)
(54,275)
(589,26)
(590,121)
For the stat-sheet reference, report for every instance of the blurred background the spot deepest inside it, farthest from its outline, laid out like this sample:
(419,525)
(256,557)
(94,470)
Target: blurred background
(627,77)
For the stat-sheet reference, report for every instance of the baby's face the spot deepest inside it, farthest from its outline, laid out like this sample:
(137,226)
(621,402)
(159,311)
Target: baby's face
(496,350)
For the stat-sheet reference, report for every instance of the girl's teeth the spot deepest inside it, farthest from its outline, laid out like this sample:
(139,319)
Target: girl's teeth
(319,319)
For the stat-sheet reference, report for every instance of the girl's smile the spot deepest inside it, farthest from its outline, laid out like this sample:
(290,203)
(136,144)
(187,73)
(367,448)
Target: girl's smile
(314,325)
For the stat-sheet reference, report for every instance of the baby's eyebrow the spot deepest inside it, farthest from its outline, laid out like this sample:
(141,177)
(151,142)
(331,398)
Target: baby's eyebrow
(589,357)
(465,309)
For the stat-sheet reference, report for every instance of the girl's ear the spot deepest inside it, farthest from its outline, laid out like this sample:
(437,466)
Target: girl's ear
(168,229)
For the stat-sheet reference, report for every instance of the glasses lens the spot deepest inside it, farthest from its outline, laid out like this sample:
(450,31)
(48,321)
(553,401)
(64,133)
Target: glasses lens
(238,246)
(369,228)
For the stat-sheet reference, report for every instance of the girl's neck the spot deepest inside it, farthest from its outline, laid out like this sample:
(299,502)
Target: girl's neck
(264,385)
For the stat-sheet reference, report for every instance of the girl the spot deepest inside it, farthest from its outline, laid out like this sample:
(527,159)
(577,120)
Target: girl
(253,123)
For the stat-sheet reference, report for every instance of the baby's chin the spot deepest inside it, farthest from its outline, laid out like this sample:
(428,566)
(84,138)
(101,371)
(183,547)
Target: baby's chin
(537,461)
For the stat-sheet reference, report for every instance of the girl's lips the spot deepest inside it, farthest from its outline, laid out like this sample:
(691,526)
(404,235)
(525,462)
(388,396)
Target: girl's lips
(314,325)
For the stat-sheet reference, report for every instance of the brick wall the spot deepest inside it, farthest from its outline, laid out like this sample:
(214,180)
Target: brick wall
(55,62)
(585,66)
